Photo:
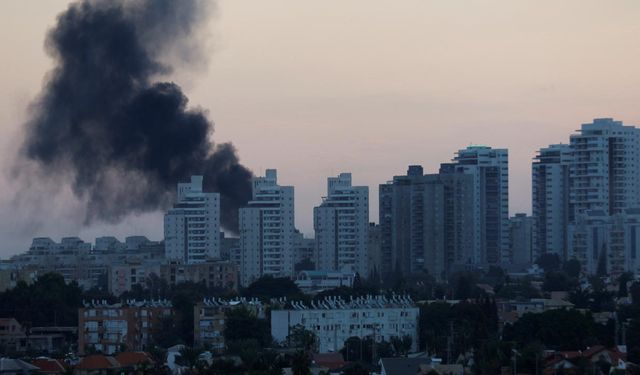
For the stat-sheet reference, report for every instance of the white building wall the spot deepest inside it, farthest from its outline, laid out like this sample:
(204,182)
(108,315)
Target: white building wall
(333,327)
(192,226)
(605,173)
(341,223)
(550,199)
(267,230)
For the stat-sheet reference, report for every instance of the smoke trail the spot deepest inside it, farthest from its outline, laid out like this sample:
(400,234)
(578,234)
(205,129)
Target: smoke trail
(102,121)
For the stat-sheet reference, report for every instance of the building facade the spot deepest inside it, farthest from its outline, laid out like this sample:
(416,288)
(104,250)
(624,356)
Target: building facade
(605,170)
(521,240)
(210,320)
(550,199)
(490,170)
(334,320)
(426,223)
(267,230)
(606,245)
(341,224)
(126,326)
(192,226)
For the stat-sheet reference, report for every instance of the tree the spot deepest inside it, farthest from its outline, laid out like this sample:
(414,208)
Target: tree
(557,329)
(242,324)
(623,290)
(549,262)
(401,345)
(556,281)
(302,338)
(268,287)
(300,363)
(304,265)
(572,268)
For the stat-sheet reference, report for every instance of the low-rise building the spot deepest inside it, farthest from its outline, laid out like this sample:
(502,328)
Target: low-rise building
(15,338)
(111,328)
(317,281)
(209,317)
(221,274)
(333,320)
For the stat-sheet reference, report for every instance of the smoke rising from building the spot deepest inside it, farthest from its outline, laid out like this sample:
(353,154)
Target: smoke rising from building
(108,124)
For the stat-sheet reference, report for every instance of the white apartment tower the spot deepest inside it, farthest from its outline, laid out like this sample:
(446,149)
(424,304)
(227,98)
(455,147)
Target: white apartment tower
(341,223)
(192,226)
(605,173)
(267,230)
(490,170)
(550,200)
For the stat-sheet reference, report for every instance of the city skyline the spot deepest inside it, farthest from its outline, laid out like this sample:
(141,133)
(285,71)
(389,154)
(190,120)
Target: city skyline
(419,116)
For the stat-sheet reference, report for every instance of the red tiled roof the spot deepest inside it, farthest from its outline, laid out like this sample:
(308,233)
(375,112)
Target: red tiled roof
(331,361)
(593,350)
(127,359)
(97,362)
(48,365)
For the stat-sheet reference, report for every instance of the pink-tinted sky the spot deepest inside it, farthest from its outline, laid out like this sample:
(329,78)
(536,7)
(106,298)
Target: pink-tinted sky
(318,88)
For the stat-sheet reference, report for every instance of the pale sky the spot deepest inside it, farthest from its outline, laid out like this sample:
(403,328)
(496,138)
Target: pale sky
(363,86)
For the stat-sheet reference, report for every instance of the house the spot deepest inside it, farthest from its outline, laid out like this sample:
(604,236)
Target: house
(49,365)
(15,337)
(134,360)
(97,364)
(402,366)
(10,366)
(328,361)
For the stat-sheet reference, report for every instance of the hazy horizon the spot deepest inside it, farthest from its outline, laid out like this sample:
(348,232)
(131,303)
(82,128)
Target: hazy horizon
(315,89)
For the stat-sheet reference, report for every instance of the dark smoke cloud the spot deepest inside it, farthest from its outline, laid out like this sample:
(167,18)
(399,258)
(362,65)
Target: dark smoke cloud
(122,139)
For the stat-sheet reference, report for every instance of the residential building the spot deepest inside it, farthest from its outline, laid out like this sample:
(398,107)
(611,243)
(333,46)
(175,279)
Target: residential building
(192,226)
(318,281)
(219,274)
(267,230)
(228,245)
(112,328)
(341,223)
(490,170)
(123,276)
(606,244)
(521,239)
(304,248)
(374,251)
(334,320)
(426,223)
(210,316)
(550,199)
(79,261)
(605,169)
(16,338)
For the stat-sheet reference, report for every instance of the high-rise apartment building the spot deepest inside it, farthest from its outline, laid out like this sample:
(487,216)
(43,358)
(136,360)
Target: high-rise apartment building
(606,244)
(341,223)
(521,239)
(267,230)
(192,226)
(550,199)
(605,172)
(490,170)
(426,223)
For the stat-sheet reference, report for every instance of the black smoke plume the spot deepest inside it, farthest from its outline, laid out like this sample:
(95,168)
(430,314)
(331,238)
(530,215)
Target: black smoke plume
(122,139)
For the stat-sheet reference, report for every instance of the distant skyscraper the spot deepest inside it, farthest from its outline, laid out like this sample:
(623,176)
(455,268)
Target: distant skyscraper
(521,239)
(192,226)
(490,170)
(605,173)
(267,230)
(341,223)
(426,223)
(550,200)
